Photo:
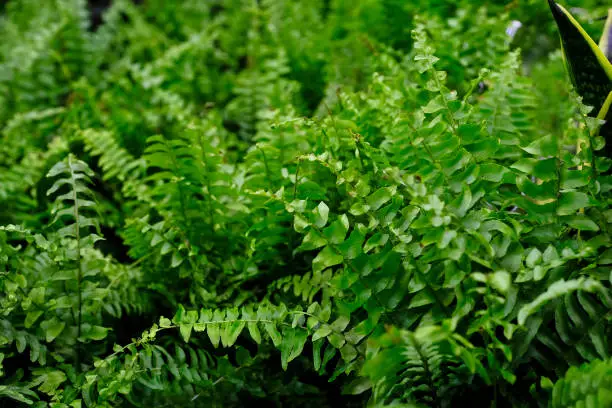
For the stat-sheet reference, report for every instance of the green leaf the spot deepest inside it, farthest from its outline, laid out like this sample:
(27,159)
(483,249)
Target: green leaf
(545,170)
(348,352)
(572,201)
(321,332)
(49,380)
(340,323)
(233,329)
(375,241)
(187,321)
(185,329)
(533,258)
(31,317)
(18,394)
(582,223)
(20,341)
(292,344)
(274,333)
(544,146)
(94,332)
(180,313)
(359,208)
(164,322)
(336,232)
(493,172)
(380,197)
(501,281)
(326,258)
(313,240)
(352,247)
(177,259)
(321,215)
(38,295)
(252,324)
(254,332)
(337,340)
(316,354)
(52,328)
(215,330)
(435,105)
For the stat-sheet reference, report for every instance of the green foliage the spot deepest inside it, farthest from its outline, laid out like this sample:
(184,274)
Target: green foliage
(588,384)
(353,203)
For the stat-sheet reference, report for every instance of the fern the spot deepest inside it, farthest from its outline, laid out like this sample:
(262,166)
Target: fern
(367,202)
(116,163)
(413,371)
(586,384)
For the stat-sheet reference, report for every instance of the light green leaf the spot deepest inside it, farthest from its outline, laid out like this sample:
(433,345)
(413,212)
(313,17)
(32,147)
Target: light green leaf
(544,146)
(274,333)
(336,232)
(501,281)
(321,214)
(380,197)
(164,322)
(177,259)
(572,201)
(180,313)
(359,208)
(313,240)
(52,328)
(49,380)
(185,329)
(435,105)
(38,295)
(326,258)
(254,332)
(375,241)
(321,332)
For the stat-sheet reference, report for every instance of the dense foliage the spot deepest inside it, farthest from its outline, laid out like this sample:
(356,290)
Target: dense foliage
(331,202)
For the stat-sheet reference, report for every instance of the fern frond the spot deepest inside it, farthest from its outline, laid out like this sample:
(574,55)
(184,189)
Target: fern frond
(305,287)
(74,202)
(579,311)
(409,370)
(586,385)
(116,162)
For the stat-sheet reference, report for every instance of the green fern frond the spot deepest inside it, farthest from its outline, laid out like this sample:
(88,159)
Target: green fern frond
(579,310)
(586,385)
(73,199)
(408,370)
(116,162)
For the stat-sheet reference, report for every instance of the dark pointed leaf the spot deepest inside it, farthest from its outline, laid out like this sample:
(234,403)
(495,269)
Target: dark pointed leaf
(589,69)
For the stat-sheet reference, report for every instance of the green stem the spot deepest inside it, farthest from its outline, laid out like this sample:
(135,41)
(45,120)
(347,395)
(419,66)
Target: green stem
(268,173)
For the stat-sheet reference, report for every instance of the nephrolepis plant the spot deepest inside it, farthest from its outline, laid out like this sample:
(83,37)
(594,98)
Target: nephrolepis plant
(589,66)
